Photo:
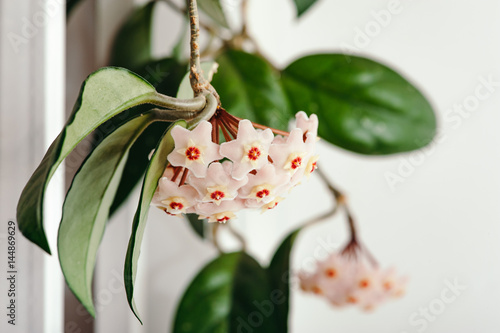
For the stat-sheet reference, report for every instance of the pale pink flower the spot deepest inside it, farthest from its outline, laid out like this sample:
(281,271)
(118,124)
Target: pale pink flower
(218,185)
(290,157)
(250,149)
(219,213)
(265,185)
(307,124)
(172,198)
(194,149)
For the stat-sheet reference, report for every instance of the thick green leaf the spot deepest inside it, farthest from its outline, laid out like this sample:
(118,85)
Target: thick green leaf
(104,94)
(166,75)
(197,224)
(154,171)
(279,277)
(87,204)
(213,9)
(303,5)
(249,88)
(132,44)
(362,106)
(231,294)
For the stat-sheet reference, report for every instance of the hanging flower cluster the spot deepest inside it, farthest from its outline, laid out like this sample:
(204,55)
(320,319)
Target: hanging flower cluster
(252,168)
(352,277)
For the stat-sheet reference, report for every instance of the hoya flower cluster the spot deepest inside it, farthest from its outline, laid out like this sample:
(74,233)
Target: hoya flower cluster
(345,279)
(253,168)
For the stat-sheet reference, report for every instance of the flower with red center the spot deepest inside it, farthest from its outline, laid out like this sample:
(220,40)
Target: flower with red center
(218,185)
(289,157)
(172,198)
(264,186)
(219,213)
(194,149)
(250,149)
(307,124)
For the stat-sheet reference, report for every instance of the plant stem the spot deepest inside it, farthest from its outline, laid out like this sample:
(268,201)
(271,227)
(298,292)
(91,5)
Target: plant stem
(237,235)
(215,228)
(341,202)
(184,11)
(198,82)
(194,104)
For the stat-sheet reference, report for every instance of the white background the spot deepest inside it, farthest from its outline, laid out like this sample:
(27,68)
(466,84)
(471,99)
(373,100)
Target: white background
(440,224)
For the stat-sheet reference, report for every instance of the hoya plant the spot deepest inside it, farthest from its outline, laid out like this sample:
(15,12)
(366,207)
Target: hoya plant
(239,134)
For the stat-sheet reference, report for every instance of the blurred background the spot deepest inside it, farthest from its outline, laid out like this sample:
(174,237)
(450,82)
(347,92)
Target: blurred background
(433,213)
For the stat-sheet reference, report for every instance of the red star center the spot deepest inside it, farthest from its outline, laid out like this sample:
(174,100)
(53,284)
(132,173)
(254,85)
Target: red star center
(217,195)
(193,153)
(313,167)
(331,273)
(223,219)
(296,163)
(262,193)
(253,153)
(176,205)
(364,283)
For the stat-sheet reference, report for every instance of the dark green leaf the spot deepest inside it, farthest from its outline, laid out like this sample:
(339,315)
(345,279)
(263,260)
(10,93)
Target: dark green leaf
(154,171)
(132,44)
(166,75)
(87,204)
(279,277)
(249,88)
(104,94)
(197,224)
(303,5)
(213,9)
(362,106)
(230,295)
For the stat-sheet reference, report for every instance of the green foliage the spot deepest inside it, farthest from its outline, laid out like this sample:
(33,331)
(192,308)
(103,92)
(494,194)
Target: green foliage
(166,75)
(154,171)
(87,204)
(363,106)
(303,5)
(249,88)
(132,44)
(223,296)
(279,277)
(105,93)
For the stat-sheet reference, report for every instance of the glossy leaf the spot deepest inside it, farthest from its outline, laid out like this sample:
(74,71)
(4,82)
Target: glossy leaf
(213,9)
(154,171)
(303,5)
(249,88)
(362,105)
(197,225)
(87,204)
(279,277)
(132,45)
(231,294)
(104,94)
(166,75)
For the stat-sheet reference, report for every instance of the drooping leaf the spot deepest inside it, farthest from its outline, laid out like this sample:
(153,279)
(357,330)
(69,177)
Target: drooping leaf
(104,94)
(230,295)
(213,9)
(132,45)
(279,277)
(87,204)
(154,171)
(362,105)
(197,225)
(303,5)
(166,75)
(249,88)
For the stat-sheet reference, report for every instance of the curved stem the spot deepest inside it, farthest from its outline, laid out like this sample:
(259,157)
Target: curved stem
(206,113)
(194,104)
(215,241)
(236,234)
